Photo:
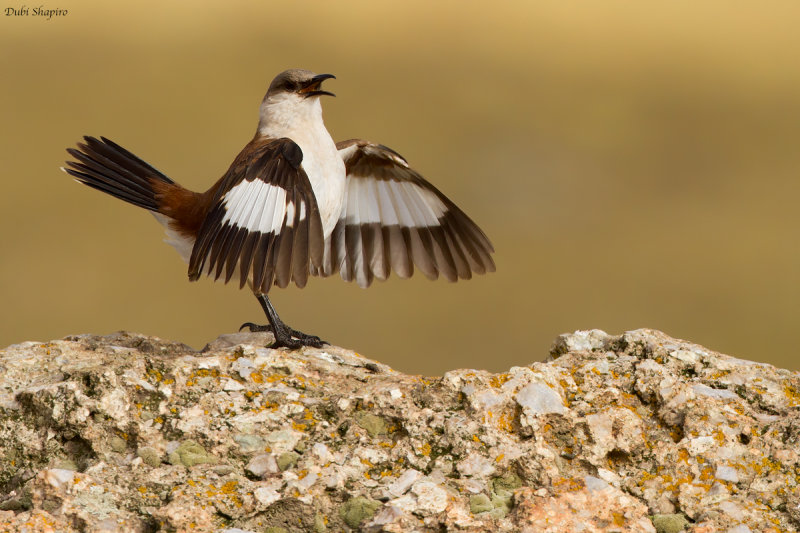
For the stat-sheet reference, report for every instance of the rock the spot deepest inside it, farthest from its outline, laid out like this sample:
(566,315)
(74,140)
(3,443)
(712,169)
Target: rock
(637,432)
(400,486)
(262,464)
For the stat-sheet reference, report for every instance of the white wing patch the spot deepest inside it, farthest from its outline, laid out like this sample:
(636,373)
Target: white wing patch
(258,206)
(389,202)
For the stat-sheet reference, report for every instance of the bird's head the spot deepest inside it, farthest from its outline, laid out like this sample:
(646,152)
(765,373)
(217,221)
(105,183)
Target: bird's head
(293,94)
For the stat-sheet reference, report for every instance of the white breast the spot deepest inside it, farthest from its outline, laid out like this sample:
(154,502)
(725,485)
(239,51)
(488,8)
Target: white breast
(301,120)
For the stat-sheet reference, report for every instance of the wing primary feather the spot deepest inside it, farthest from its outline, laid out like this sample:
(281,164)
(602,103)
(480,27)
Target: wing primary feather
(283,264)
(222,251)
(259,260)
(378,263)
(300,246)
(234,254)
(246,259)
(422,246)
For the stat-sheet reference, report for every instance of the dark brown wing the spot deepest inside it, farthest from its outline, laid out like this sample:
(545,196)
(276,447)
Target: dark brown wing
(394,219)
(264,221)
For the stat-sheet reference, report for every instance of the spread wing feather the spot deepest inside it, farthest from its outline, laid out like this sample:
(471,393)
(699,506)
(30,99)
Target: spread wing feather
(393,219)
(264,223)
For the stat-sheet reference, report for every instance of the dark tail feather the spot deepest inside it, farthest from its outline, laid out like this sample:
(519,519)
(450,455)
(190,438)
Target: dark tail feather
(108,167)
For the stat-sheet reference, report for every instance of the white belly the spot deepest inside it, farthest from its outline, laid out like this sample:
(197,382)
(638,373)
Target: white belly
(326,172)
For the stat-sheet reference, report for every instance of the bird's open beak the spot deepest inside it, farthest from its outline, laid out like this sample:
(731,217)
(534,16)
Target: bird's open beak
(313,87)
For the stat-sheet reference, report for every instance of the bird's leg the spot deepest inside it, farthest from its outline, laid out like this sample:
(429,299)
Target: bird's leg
(284,335)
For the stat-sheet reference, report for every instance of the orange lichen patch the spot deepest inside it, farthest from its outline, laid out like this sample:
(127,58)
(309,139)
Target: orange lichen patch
(619,519)
(499,458)
(257,377)
(766,466)
(793,395)
(505,422)
(301,474)
(568,484)
(425,449)
(475,438)
(202,373)
(498,380)
(706,475)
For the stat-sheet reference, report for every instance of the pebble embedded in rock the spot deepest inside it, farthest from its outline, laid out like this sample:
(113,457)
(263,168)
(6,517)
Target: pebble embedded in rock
(540,399)
(262,464)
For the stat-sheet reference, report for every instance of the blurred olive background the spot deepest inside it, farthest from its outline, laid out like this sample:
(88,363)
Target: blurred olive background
(635,164)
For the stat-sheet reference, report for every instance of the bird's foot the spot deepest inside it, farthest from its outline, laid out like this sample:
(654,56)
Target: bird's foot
(286,336)
(255,328)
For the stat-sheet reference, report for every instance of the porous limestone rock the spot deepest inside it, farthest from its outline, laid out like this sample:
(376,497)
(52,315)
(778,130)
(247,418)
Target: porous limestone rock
(631,433)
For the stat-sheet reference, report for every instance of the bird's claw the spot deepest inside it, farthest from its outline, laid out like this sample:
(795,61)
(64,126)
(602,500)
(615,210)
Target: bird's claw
(286,337)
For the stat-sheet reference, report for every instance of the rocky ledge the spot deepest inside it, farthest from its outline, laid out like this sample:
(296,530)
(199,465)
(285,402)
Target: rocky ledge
(637,432)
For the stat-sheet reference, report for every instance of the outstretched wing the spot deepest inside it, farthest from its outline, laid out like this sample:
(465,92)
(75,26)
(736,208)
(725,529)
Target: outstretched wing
(392,219)
(264,221)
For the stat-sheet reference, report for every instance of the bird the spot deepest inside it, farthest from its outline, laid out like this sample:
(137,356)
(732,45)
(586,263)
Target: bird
(295,204)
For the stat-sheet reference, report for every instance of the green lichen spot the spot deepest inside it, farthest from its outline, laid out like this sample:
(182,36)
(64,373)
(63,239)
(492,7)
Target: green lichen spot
(506,483)
(189,453)
(480,503)
(374,425)
(65,464)
(358,509)
(319,524)
(501,503)
(149,456)
(287,460)
(669,523)
(118,444)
